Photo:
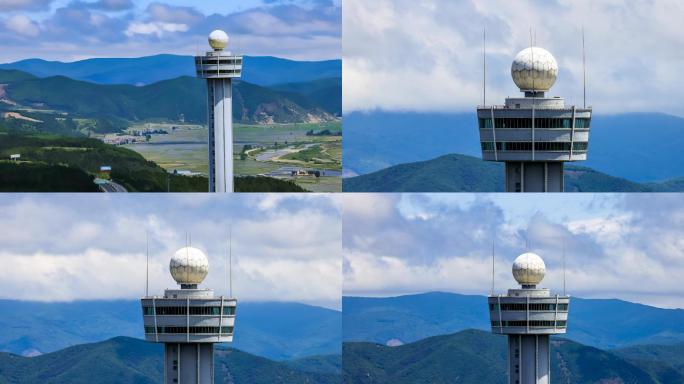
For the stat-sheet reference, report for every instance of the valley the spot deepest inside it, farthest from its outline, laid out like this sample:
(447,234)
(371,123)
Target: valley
(289,132)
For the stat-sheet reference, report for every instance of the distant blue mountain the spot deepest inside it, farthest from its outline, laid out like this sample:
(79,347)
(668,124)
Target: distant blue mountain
(599,323)
(640,147)
(132,361)
(260,70)
(274,330)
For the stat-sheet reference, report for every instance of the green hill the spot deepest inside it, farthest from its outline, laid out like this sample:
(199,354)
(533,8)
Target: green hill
(326,92)
(461,173)
(51,163)
(44,177)
(480,357)
(74,160)
(262,183)
(319,364)
(127,360)
(658,357)
(115,105)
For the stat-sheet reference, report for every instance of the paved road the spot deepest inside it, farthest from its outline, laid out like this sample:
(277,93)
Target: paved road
(111,186)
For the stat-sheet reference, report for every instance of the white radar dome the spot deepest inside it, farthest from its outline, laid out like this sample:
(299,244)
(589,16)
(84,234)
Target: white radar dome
(189,265)
(218,39)
(534,69)
(529,269)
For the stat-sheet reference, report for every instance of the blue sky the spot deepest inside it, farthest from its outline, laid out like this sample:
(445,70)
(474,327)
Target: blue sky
(626,246)
(426,56)
(71,246)
(68,30)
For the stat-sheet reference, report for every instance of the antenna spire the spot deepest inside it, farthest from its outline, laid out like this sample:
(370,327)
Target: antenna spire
(564,294)
(230,260)
(484,66)
(147,263)
(532,53)
(584,69)
(493,241)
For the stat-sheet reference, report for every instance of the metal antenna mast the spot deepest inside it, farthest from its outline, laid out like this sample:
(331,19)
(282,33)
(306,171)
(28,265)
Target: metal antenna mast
(534,96)
(230,260)
(147,263)
(584,69)
(564,266)
(493,241)
(532,53)
(484,66)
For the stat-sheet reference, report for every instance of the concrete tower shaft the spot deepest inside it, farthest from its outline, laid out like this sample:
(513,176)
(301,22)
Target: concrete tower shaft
(219,68)
(529,316)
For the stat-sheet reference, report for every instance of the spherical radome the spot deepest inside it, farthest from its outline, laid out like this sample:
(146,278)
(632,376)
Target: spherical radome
(189,265)
(218,39)
(529,269)
(534,69)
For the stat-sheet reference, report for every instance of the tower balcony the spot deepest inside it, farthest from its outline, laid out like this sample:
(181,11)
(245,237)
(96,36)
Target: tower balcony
(218,65)
(189,320)
(555,134)
(529,314)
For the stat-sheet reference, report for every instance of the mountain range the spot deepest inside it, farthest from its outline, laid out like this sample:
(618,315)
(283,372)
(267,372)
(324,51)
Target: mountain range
(299,330)
(640,147)
(600,323)
(461,173)
(260,70)
(182,97)
(473,357)
(128,360)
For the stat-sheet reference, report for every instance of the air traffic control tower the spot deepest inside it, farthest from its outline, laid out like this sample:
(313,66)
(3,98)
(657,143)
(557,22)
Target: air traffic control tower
(189,321)
(534,135)
(219,67)
(529,316)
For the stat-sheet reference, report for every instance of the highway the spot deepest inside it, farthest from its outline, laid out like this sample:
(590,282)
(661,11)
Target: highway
(111,186)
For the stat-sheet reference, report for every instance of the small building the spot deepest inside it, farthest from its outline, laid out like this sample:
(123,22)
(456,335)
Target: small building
(106,169)
(15,157)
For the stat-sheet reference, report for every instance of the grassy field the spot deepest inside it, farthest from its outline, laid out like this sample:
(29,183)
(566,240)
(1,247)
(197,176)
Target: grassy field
(184,148)
(80,159)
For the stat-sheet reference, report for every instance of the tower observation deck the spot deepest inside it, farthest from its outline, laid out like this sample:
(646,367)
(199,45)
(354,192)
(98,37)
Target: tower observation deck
(189,321)
(534,135)
(529,316)
(219,67)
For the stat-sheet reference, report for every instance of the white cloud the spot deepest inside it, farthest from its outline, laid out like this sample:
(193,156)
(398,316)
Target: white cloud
(158,29)
(24,5)
(631,248)
(372,274)
(69,247)
(74,30)
(427,55)
(22,25)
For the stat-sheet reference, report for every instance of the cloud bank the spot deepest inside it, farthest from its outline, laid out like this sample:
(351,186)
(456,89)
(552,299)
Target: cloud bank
(626,246)
(71,247)
(76,29)
(426,56)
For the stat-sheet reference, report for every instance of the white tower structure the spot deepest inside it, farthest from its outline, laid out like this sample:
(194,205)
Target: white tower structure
(189,321)
(219,67)
(534,135)
(529,316)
